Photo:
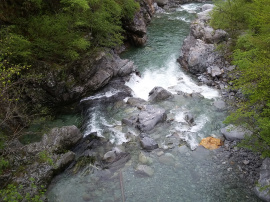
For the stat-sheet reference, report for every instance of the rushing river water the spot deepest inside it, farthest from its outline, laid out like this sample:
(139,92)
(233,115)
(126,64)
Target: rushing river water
(179,171)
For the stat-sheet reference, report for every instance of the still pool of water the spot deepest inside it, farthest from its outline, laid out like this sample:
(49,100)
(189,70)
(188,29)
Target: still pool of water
(178,170)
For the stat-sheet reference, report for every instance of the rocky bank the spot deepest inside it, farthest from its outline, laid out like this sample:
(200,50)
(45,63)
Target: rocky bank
(200,57)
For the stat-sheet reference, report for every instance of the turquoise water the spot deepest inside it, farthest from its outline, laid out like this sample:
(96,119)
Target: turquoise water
(180,170)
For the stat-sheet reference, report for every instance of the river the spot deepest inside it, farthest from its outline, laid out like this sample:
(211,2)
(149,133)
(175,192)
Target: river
(180,170)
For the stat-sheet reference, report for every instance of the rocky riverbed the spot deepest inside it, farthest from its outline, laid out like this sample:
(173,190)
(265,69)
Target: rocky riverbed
(143,123)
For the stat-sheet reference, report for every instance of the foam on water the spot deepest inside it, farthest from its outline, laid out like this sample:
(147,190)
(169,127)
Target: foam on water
(102,95)
(93,125)
(191,8)
(169,77)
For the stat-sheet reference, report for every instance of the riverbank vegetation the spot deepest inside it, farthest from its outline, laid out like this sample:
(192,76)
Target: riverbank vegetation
(55,33)
(248,24)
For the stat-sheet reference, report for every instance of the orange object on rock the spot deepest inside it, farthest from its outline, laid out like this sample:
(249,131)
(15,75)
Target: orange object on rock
(211,143)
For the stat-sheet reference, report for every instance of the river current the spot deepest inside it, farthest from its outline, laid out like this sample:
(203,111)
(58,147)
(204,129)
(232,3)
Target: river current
(180,170)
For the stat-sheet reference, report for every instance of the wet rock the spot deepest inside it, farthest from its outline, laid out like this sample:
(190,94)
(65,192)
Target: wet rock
(118,162)
(110,156)
(211,143)
(189,118)
(145,170)
(167,159)
(147,119)
(148,143)
(263,189)
(126,67)
(234,133)
(136,102)
(159,94)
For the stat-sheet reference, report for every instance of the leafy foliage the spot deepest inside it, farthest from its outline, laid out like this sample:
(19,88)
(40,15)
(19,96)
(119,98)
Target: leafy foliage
(251,55)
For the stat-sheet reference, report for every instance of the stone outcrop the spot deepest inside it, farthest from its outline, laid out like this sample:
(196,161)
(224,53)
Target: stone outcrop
(42,160)
(136,28)
(199,55)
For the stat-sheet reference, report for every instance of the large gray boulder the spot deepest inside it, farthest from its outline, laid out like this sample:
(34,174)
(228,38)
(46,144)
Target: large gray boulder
(196,56)
(263,188)
(232,132)
(159,94)
(147,119)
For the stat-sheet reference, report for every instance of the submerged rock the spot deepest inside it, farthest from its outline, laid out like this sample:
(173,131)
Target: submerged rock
(145,159)
(159,94)
(262,190)
(148,143)
(211,143)
(167,159)
(145,170)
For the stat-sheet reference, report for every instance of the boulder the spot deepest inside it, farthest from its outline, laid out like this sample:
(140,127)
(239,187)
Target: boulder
(148,143)
(159,94)
(150,117)
(136,102)
(262,190)
(232,133)
(189,118)
(145,170)
(211,143)
(147,119)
